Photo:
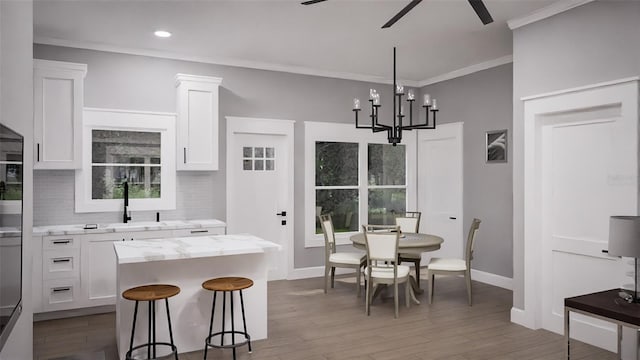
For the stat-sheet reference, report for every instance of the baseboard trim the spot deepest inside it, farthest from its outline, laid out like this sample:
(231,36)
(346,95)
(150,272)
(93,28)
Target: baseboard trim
(492,279)
(521,317)
(314,271)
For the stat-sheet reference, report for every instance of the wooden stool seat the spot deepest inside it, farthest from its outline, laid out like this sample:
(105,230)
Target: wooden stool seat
(151,292)
(227,284)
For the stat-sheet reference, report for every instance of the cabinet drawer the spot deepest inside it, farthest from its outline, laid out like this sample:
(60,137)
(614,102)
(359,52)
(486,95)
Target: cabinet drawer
(61,294)
(57,264)
(199,232)
(59,242)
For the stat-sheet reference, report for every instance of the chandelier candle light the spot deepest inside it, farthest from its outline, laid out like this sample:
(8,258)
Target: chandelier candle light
(394,132)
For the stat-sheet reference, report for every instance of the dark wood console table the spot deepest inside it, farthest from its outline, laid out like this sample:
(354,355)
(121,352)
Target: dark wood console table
(604,305)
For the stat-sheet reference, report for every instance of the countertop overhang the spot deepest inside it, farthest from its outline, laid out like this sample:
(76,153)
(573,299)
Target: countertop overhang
(140,251)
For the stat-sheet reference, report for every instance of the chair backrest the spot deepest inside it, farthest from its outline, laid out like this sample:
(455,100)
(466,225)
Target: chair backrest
(409,222)
(329,235)
(471,238)
(381,242)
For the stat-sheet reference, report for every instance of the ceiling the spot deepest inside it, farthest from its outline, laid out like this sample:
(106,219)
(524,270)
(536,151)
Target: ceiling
(337,38)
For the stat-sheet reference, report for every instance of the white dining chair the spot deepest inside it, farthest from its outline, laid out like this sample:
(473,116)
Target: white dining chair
(382,265)
(334,259)
(444,266)
(410,222)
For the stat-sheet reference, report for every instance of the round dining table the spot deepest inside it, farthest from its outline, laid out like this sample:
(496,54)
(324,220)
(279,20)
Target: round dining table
(414,243)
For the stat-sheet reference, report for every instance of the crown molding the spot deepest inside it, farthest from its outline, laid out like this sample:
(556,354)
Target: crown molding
(219,61)
(467,70)
(51,64)
(545,12)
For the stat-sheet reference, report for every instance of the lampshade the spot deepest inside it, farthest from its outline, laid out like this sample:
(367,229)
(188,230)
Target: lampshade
(624,236)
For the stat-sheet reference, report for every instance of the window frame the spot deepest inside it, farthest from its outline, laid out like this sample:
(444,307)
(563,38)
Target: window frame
(126,120)
(340,132)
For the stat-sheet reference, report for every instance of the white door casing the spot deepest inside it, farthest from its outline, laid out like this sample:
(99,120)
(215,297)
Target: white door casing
(581,166)
(440,187)
(257,195)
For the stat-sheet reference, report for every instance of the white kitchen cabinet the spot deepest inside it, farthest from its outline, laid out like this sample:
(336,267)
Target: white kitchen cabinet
(197,127)
(58,273)
(99,264)
(75,268)
(58,100)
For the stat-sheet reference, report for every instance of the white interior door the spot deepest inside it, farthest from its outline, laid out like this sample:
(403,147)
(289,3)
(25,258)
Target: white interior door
(260,184)
(440,187)
(580,168)
(579,196)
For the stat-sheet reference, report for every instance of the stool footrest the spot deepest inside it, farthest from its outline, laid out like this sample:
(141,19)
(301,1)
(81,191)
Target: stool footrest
(174,349)
(208,340)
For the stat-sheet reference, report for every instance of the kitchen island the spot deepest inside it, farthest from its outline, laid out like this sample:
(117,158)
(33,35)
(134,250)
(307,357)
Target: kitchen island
(187,262)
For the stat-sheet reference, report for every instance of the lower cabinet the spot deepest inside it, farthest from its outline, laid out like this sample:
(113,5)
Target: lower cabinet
(78,271)
(98,278)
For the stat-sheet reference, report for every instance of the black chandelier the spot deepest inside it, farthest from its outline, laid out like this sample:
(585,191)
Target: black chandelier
(394,133)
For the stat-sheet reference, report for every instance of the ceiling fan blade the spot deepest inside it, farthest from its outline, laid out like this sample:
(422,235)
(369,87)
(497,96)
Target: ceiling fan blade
(482,11)
(311,2)
(402,13)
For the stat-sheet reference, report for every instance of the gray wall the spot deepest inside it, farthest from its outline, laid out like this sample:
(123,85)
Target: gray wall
(16,89)
(483,101)
(143,83)
(596,42)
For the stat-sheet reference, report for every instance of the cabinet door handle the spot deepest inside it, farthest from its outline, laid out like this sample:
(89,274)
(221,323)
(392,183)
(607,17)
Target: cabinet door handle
(60,289)
(452,217)
(199,231)
(61,260)
(185,155)
(60,242)
(38,152)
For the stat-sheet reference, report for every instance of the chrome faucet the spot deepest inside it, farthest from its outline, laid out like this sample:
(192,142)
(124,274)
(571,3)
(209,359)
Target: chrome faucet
(125,216)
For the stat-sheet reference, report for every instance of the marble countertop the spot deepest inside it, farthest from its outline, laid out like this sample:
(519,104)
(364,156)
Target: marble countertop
(139,251)
(79,229)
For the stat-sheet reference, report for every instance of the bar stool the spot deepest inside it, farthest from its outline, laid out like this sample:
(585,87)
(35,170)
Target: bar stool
(151,293)
(225,285)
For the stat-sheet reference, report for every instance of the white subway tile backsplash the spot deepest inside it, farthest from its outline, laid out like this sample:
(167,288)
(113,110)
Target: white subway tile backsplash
(199,196)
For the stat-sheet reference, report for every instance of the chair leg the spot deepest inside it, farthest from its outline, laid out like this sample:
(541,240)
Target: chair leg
(326,277)
(395,297)
(333,276)
(407,294)
(358,279)
(367,302)
(416,264)
(432,280)
(467,276)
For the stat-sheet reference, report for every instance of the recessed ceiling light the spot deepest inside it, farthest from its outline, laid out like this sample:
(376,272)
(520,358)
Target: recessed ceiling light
(162,33)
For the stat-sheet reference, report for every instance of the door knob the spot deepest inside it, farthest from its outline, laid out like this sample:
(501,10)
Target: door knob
(284,213)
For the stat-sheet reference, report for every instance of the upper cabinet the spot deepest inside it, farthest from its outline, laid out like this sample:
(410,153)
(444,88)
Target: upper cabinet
(58,101)
(197,127)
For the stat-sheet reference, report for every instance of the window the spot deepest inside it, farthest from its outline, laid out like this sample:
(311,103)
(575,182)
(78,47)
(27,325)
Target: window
(124,146)
(337,184)
(356,176)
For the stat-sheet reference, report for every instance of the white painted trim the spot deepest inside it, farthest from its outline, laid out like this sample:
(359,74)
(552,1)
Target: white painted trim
(467,70)
(60,65)
(128,120)
(582,88)
(341,132)
(545,12)
(593,96)
(198,78)
(492,279)
(273,127)
(523,318)
(142,112)
(314,272)
(219,61)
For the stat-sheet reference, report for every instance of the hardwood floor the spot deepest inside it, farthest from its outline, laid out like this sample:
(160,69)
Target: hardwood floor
(305,324)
